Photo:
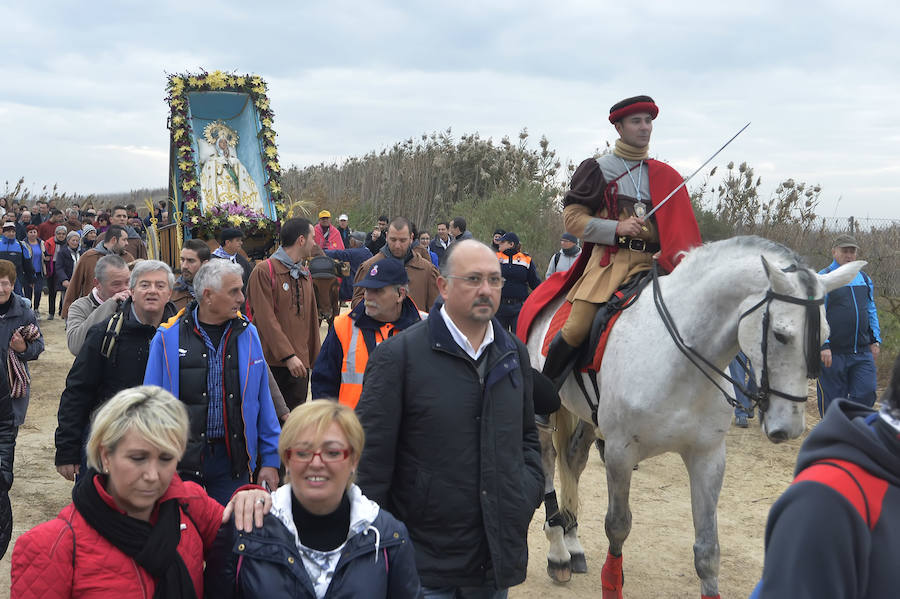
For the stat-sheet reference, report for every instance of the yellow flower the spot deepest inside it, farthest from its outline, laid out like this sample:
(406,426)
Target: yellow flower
(243,220)
(217,80)
(176,81)
(239,81)
(262,103)
(274,166)
(184,165)
(188,184)
(177,103)
(195,219)
(267,122)
(193,81)
(179,133)
(271,152)
(273,186)
(260,89)
(269,134)
(185,149)
(192,205)
(256,80)
(177,119)
(261,224)
(234,219)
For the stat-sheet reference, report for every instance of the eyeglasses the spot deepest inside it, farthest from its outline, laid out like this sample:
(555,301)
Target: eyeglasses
(475,281)
(326,455)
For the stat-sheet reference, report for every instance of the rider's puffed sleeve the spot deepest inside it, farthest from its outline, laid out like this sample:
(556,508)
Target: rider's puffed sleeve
(579,221)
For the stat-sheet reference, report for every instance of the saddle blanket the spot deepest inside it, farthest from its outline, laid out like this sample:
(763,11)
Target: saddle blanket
(556,324)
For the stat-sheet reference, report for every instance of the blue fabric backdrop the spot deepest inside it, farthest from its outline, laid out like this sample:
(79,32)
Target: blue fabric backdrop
(239,113)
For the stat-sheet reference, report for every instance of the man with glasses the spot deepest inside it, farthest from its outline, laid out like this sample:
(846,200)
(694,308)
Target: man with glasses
(451,444)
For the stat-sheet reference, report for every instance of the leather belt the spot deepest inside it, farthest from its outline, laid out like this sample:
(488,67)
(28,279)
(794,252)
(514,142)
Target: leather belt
(638,245)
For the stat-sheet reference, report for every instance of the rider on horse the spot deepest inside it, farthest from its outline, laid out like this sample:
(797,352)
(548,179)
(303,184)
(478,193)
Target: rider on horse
(606,205)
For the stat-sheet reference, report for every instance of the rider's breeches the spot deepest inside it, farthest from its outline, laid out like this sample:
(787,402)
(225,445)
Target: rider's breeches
(578,325)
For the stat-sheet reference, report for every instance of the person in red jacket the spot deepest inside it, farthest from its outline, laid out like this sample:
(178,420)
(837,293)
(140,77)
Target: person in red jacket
(134,528)
(326,236)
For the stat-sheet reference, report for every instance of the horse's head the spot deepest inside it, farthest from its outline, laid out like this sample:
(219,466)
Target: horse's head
(782,335)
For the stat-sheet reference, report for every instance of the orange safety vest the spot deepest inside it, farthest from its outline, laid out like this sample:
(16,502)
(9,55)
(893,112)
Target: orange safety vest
(519,259)
(356,356)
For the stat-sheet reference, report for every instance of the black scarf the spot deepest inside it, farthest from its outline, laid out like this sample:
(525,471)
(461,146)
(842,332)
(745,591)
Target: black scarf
(153,547)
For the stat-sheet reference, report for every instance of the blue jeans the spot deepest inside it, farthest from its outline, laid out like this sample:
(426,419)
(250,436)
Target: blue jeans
(488,592)
(216,473)
(748,378)
(850,376)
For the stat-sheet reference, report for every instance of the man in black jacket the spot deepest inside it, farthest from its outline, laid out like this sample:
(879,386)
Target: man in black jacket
(451,445)
(113,357)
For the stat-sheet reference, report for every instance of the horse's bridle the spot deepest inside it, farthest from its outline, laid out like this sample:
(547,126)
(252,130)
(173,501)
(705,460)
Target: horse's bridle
(760,398)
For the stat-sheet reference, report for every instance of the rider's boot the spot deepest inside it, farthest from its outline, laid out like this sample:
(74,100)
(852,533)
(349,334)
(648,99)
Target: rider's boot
(559,355)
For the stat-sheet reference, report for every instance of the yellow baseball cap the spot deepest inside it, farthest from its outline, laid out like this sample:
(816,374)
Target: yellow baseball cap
(324,214)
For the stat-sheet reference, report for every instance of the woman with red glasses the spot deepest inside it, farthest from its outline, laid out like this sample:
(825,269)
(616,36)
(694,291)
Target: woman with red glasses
(323,537)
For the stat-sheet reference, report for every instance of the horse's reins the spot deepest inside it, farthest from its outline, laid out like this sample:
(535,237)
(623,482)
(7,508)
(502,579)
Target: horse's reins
(760,398)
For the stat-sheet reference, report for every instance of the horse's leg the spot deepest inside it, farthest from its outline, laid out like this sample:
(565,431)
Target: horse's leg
(619,465)
(706,470)
(558,565)
(577,453)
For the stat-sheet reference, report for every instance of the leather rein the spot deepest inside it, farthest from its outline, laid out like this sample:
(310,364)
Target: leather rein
(760,398)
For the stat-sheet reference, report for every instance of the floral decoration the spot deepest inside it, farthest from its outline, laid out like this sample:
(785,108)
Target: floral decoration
(229,215)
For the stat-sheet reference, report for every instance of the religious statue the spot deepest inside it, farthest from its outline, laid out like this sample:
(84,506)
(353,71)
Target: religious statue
(224,180)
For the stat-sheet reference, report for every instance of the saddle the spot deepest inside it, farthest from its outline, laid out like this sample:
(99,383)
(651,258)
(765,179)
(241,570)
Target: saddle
(323,267)
(590,354)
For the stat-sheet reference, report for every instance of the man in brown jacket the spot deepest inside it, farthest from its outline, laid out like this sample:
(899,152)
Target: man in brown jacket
(421,272)
(135,245)
(114,242)
(285,312)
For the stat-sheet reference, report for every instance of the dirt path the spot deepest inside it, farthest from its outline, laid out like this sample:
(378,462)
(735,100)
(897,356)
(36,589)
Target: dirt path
(658,554)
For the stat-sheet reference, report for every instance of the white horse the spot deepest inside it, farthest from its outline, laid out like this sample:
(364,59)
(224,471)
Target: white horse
(744,293)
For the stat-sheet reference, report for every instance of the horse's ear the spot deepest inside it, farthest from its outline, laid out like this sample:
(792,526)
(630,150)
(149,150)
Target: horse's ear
(842,275)
(777,279)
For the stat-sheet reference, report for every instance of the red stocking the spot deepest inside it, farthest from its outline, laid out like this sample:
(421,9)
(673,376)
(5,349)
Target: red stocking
(716,596)
(611,577)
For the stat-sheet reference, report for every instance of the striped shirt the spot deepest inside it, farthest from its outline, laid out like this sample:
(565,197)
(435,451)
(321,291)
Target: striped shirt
(215,382)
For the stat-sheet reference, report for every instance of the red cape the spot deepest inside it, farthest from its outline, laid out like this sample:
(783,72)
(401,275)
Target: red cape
(678,232)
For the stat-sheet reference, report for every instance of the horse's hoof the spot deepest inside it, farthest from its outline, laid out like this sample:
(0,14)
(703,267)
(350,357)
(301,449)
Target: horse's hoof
(579,563)
(559,572)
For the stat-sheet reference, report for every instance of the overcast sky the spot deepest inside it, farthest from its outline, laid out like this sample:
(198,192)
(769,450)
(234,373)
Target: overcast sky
(84,82)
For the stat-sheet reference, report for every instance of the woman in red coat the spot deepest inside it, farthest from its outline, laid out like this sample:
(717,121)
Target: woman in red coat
(134,528)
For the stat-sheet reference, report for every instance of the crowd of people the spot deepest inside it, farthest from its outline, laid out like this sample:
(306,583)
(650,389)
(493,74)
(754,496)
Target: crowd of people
(406,438)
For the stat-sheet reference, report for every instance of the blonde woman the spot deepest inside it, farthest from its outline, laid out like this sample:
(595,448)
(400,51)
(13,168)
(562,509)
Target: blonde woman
(134,528)
(323,538)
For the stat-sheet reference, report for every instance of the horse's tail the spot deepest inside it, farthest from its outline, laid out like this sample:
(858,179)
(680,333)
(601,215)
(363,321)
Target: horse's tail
(566,423)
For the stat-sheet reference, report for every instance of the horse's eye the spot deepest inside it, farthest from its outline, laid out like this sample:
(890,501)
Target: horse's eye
(781,337)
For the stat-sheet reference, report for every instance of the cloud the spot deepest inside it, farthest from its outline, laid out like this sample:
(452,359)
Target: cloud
(86,106)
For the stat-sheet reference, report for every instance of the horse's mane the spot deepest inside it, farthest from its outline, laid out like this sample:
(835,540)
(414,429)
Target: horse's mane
(750,245)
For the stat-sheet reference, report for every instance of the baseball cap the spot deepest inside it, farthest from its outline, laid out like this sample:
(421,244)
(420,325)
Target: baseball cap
(324,214)
(845,241)
(342,217)
(9,225)
(569,237)
(383,273)
(511,237)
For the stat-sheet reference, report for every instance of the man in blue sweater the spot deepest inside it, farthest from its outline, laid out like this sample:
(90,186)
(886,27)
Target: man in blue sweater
(848,356)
